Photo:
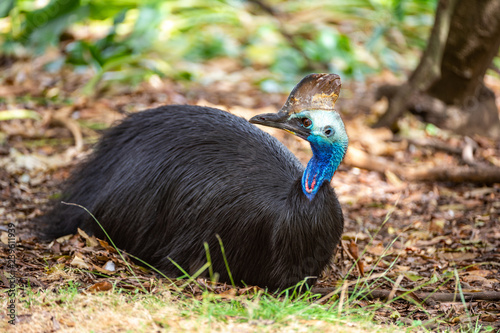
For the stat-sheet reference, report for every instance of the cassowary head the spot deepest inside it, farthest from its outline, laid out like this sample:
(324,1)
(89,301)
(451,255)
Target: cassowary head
(309,113)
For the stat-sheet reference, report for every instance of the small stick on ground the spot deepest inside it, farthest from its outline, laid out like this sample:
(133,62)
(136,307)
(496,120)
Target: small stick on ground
(483,174)
(493,296)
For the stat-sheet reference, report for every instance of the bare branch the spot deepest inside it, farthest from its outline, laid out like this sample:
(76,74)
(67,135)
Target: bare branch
(477,173)
(428,70)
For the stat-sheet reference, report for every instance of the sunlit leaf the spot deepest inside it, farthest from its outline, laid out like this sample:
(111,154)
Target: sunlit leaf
(19,114)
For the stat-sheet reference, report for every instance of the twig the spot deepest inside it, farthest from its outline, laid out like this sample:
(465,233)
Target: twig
(434,144)
(492,296)
(63,117)
(477,173)
(468,151)
(395,287)
(343,296)
(329,292)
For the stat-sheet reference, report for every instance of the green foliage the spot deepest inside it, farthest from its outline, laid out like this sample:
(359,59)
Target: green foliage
(131,40)
(5,7)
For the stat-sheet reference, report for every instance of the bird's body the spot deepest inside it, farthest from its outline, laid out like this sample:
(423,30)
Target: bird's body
(165,181)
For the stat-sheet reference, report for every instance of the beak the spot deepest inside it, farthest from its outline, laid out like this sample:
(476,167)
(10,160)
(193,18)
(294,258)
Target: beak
(281,120)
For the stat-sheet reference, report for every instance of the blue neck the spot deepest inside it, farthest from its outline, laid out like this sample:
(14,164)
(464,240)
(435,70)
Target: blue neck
(322,166)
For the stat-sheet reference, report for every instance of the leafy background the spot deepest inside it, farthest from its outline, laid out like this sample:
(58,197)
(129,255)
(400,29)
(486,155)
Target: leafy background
(134,40)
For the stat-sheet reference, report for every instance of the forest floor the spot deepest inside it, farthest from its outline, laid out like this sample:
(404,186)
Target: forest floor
(427,251)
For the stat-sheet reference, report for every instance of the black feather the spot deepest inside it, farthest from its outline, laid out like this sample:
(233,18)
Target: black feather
(166,180)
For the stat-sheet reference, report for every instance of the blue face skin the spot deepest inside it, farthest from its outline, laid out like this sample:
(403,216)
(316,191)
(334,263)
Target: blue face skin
(328,139)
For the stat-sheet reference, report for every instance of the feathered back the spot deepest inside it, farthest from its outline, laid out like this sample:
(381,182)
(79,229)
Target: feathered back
(166,180)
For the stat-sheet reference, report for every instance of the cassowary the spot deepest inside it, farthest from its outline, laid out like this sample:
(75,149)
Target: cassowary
(165,181)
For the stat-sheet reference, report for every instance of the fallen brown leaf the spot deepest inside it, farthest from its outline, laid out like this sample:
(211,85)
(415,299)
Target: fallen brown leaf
(100,286)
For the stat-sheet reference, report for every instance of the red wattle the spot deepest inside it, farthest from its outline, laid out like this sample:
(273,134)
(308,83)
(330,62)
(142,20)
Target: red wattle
(313,184)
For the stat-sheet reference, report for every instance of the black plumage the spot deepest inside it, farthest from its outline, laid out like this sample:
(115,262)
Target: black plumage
(166,180)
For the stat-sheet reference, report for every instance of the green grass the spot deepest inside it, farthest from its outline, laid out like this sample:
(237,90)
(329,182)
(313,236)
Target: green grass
(73,308)
(165,310)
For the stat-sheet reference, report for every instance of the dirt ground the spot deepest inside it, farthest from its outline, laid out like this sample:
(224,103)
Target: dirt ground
(432,246)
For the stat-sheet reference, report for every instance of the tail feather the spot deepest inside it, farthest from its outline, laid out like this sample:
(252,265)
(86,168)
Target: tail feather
(62,220)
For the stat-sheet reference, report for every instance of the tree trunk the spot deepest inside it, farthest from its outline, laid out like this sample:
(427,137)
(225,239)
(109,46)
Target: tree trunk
(447,87)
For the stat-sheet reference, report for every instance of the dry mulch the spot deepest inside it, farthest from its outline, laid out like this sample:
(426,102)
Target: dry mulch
(419,244)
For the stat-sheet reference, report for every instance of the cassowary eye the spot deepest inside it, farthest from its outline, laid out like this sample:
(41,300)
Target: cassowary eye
(306,122)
